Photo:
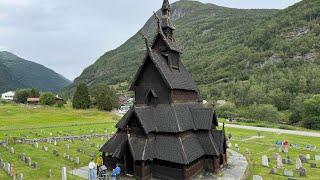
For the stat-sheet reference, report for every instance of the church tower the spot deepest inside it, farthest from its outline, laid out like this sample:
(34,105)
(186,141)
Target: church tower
(167,134)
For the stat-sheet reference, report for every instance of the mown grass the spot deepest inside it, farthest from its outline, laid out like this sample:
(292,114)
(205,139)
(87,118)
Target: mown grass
(25,122)
(254,149)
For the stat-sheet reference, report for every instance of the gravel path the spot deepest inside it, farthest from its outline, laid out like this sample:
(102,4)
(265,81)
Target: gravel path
(281,131)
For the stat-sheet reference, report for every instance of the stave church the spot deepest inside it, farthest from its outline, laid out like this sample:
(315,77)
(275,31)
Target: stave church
(168,133)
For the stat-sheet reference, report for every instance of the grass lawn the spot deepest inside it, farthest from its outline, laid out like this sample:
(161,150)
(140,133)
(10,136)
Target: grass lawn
(29,122)
(254,149)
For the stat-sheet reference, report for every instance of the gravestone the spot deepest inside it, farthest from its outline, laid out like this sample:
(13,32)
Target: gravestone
(303,158)
(29,161)
(265,161)
(313,165)
(36,145)
(317,157)
(20,176)
(77,160)
(68,146)
(298,164)
(302,172)
(64,173)
(64,155)
(49,173)
(56,153)
(279,162)
(257,177)
(35,165)
(308,156)
(12,150)
(92,154)
(71,159)
(275,156)
(288,173)
(55,143)
(273,171)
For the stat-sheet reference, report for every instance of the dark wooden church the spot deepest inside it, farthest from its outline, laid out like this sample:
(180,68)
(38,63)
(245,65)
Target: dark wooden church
(168,134)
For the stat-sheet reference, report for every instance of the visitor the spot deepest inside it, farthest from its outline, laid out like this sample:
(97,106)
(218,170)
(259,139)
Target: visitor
(116,172)
(92,174)
(99,162)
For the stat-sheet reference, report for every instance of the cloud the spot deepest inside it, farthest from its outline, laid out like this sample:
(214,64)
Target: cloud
(17,3)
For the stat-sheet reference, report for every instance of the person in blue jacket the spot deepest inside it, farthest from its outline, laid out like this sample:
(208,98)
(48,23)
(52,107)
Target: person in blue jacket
(116,171)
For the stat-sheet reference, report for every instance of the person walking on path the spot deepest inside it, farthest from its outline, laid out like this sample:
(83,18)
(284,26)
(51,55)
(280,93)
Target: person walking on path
(92,174)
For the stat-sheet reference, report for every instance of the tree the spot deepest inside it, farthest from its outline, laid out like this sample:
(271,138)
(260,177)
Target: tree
(34,93)
(103,97)
(263,112)
(312,113)
(47,99)
(22,95)
(227,110)
(81,99)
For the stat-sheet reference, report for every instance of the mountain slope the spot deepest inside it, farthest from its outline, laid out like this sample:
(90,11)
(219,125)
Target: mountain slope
(16,72)
(203,29)
(244,56)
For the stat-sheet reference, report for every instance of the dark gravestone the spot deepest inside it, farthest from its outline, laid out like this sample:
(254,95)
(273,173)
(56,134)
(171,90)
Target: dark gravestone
(313,165)
(302,172)
(303,158)
(273,171)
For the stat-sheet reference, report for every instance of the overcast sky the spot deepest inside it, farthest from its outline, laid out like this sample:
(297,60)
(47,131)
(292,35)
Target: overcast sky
(69,35)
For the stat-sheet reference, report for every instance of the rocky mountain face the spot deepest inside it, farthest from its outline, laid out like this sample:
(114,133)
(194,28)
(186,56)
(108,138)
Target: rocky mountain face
(16,72)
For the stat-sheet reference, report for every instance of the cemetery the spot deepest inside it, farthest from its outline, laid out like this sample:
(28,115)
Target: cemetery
(77,144)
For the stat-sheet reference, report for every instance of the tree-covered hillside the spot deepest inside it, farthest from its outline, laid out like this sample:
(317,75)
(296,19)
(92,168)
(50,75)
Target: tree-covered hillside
(16,72)
(247,57)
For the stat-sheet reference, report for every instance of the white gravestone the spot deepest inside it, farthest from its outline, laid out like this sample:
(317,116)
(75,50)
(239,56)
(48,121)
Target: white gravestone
(256,177)
(317,157)
(12,150)
(64,173)
(265,161)
(308,156)
(288,173)
(279,162)
(298,164)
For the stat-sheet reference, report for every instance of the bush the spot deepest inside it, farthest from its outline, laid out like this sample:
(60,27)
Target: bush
(263,112)
(103,97)
(47,99)
(311,117)
(81,99)
(228,110)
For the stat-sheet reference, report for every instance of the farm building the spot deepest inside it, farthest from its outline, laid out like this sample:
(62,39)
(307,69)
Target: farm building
(168,133)
(33,101)
(8,96)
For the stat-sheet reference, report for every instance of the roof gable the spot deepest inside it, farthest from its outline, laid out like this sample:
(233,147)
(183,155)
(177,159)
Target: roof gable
(175,79)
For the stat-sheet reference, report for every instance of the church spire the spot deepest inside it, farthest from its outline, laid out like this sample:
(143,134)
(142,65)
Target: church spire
(166,24)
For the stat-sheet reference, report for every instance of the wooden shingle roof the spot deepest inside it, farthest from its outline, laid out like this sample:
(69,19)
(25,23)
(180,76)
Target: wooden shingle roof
(181,149)
(175,79)
(171,118)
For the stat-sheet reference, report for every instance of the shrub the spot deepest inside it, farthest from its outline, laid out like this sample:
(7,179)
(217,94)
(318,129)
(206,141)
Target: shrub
(47,99)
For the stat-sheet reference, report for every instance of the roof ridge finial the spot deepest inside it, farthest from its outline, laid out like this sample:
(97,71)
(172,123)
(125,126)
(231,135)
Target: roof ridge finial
(145,40)
(158,21)
(165,7)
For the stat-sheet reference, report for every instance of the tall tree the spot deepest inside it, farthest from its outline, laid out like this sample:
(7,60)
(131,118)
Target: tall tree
(81,99)
(103,97)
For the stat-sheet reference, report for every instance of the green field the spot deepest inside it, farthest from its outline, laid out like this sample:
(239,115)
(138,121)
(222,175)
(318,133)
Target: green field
(29,122)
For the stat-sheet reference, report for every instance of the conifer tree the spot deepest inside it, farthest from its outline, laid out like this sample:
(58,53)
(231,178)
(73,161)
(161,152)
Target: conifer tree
(81,99)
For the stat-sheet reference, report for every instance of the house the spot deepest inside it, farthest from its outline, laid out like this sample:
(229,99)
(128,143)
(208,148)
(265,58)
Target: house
(168,133)
(8,96)
(58,99)
(33,101)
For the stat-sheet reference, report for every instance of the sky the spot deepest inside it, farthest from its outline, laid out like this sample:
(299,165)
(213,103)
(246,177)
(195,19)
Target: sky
(69,35)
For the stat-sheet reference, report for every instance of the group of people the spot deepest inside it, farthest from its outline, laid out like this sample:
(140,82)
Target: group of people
(96,171)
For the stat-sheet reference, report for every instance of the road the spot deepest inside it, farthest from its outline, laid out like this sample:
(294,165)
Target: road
(281,131)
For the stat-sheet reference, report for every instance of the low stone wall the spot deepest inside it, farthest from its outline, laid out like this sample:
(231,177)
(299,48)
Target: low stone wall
(64,138)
